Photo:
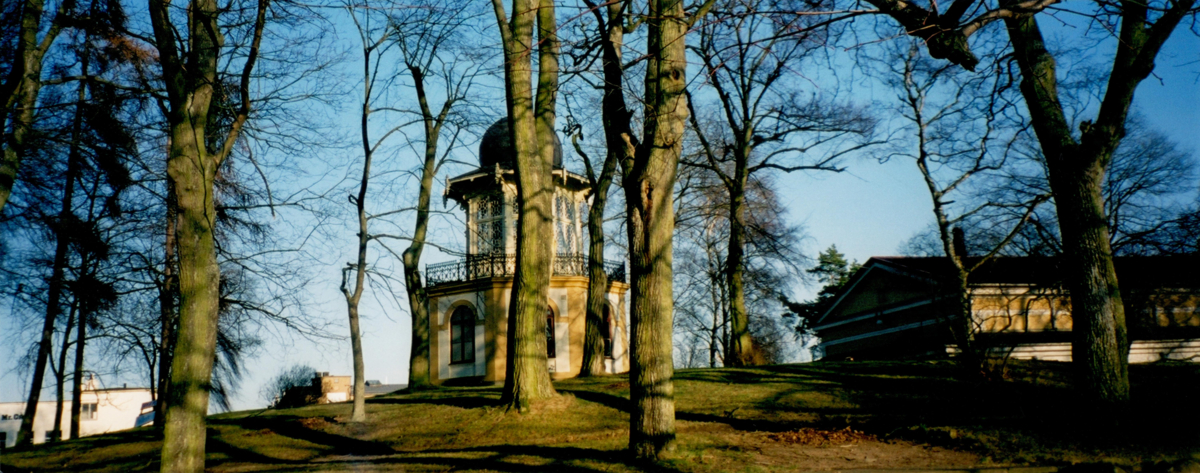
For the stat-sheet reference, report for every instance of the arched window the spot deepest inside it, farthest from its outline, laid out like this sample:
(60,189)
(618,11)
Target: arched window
(606,331)
(550,348)
(462,335)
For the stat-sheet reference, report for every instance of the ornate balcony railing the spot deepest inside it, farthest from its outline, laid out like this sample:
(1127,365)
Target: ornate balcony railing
(502,265)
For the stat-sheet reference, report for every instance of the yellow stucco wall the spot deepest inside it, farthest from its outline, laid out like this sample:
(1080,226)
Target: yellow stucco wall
(491,297)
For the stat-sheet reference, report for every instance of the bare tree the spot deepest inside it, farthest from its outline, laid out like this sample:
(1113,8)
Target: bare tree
(190,75)
(374,39)
(965,132)
(772,261)
(593,340)
(429,37)
(648,165)
(1076,163)
(749,53)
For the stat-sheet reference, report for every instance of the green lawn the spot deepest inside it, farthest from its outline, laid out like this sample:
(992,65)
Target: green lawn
(779,418)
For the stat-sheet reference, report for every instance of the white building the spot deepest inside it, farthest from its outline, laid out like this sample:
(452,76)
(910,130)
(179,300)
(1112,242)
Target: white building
(102,411)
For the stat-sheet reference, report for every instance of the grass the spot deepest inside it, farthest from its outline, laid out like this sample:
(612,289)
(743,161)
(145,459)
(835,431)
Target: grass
(776,418)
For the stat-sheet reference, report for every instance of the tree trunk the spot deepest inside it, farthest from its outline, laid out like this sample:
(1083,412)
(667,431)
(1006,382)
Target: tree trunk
(649,186)
(620,145)
(192,169)
(1100,348)
(190,79)
(193,172)
(77,378)
(593,340)
(54,292)
(167,292)
(527,378)
(742,352)
(418,361)
(418,364)
(62,369)
(359,267)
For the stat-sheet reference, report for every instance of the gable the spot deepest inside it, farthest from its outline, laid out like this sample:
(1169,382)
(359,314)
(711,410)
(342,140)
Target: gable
(878,287)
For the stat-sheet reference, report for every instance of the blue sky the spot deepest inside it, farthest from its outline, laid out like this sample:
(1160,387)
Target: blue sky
(870,209)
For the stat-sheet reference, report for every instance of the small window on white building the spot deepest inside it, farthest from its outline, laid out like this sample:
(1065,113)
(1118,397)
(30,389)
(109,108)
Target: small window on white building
(89,411)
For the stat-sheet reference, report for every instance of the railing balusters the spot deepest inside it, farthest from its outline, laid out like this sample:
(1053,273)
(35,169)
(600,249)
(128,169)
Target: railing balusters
(489,266)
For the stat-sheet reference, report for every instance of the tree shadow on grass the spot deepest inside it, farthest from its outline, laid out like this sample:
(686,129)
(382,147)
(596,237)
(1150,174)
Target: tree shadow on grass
(501,458)
(293,427)
(464,401)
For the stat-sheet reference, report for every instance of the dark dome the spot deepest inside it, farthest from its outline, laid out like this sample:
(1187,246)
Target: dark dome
(496,148)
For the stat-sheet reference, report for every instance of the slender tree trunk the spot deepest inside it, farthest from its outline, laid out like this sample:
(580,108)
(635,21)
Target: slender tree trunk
(167,291)
(418,365)
(359,267)
(714,335)
(77,378)
(649,186)
(620,145)
(593,340)
(62,368)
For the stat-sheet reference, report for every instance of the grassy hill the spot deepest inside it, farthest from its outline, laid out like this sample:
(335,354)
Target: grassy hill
(819,416)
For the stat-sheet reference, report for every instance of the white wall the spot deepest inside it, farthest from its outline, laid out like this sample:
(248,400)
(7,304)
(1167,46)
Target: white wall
(116,409)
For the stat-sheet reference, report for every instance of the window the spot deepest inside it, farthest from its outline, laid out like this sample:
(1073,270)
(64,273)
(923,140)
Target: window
(88,411)
(606,332)
(462,335)
(566,233)
(550,348)
(489,225)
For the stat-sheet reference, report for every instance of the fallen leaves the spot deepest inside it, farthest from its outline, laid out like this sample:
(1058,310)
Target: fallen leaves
(816,437)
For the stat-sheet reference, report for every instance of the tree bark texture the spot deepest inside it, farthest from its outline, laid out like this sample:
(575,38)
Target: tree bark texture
(531,123)
(649,181)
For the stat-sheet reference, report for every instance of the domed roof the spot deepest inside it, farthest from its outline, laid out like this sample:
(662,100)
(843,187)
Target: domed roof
(496,147)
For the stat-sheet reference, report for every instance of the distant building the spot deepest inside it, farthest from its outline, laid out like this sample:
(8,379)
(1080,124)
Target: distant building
(902,307)
(469,299)
(323,389)
(103,411)
(329,389)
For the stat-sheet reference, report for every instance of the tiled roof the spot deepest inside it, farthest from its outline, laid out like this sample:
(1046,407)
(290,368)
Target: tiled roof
(1132,271)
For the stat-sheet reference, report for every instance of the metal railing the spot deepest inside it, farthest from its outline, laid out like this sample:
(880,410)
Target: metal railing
(505,265)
